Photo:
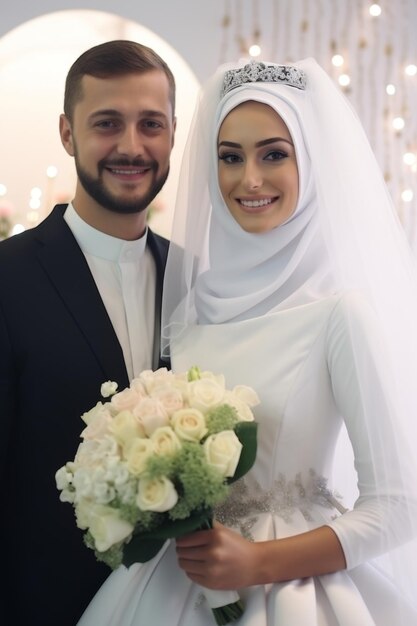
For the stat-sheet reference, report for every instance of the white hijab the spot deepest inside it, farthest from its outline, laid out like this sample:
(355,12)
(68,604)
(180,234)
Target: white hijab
(253,274)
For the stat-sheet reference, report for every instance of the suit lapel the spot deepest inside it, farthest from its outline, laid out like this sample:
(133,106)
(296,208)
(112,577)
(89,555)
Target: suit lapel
(159,248)
(67,269)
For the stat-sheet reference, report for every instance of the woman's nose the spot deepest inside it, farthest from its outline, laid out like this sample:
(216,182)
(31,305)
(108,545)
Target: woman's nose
(252,177)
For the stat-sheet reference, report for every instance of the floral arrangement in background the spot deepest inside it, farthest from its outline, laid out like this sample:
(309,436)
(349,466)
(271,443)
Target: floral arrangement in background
(155,460)
(6,211)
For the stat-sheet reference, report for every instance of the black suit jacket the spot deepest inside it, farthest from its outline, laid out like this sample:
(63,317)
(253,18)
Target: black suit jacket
(57,345)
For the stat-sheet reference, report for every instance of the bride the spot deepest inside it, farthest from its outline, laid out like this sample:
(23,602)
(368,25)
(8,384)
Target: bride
(289,272)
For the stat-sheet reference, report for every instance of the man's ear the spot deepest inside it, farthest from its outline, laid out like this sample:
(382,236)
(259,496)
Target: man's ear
(65,132)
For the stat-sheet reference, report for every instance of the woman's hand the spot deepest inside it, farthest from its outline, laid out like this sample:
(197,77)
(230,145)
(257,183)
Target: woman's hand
(218,558)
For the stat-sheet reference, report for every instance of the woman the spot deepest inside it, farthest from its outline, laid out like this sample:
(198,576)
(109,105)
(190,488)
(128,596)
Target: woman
(292,275)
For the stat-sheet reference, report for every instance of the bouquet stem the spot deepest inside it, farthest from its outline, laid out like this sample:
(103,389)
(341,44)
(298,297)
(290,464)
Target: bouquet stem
(228,613)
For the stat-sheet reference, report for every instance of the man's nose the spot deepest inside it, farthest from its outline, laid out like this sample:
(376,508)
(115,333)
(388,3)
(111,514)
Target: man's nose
(131,142)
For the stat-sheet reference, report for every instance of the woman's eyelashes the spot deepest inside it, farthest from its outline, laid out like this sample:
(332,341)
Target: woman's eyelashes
(232,157)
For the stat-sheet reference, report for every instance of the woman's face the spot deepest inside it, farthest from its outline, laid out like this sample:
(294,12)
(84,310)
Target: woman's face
(258,174)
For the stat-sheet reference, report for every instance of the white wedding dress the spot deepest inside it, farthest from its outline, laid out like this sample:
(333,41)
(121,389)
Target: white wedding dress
(300,364)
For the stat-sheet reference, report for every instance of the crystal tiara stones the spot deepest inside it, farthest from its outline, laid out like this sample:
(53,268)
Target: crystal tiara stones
(256,72)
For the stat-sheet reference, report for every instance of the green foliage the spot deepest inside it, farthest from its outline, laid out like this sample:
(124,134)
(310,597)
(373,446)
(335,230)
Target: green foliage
(223,417)
(111,557)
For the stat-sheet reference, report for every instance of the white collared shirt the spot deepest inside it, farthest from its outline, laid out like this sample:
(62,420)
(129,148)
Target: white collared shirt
(125,275)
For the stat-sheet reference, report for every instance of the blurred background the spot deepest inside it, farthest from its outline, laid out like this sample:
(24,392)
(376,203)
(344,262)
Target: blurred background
(369,48)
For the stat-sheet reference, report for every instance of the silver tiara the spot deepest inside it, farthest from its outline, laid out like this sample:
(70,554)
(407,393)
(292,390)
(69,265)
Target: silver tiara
(256,72)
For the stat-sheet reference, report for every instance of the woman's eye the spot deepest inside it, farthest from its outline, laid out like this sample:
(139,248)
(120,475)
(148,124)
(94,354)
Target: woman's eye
(275,155)
(230,158)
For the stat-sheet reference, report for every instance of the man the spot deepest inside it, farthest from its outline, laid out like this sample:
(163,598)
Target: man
(79,305)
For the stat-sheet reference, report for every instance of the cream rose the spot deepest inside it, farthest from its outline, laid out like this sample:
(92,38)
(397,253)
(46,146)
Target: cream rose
(165,442)
(189,424)
(136,454)
(156,494)
(205,394)
(151,415)
(96,412)
(170,398)
(98,425)
(125,426)
(107,527)
(108,388)
(222,451)
(243,411)
(125,400)
(246,394)
(153,379)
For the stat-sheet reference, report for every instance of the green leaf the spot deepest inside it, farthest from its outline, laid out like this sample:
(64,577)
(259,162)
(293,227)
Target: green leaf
(144,546)
(246,432)
(140,551)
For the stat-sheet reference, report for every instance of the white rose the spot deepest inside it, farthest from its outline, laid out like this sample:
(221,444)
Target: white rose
(84,455)
(222,451)
(93,452)
(136,454)
(205,394)
(125,400)
(158,378)
(98,425)
(165,442)
(246,394)
(108,388)
(96,411)
(83,483)
(151,414)
(156,494)
(243,412)
(125,426)
(189,424)
(218,378)
(83,513)
(137,385)
(63,478)
(107,527)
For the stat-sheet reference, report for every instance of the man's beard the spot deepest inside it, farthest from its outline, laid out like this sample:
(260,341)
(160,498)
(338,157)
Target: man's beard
(97,190)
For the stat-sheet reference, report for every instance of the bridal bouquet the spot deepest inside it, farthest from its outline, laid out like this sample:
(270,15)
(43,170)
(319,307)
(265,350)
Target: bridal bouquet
(154,461)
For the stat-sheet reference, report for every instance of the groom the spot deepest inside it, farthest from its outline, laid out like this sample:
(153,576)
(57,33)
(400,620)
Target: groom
(79,305)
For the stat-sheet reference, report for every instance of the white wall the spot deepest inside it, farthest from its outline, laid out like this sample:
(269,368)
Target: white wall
(192,27)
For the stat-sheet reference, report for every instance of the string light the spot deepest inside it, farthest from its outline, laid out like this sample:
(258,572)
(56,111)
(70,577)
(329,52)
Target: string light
(255,50)
(407,195)
(411,70)
(337,60)
(375,10)
(344,80)
(390,89)
(51,171)
(32,217)
(36,192)
(17,229)
(409,158)
(35,203)
(3,189)
(398,123)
